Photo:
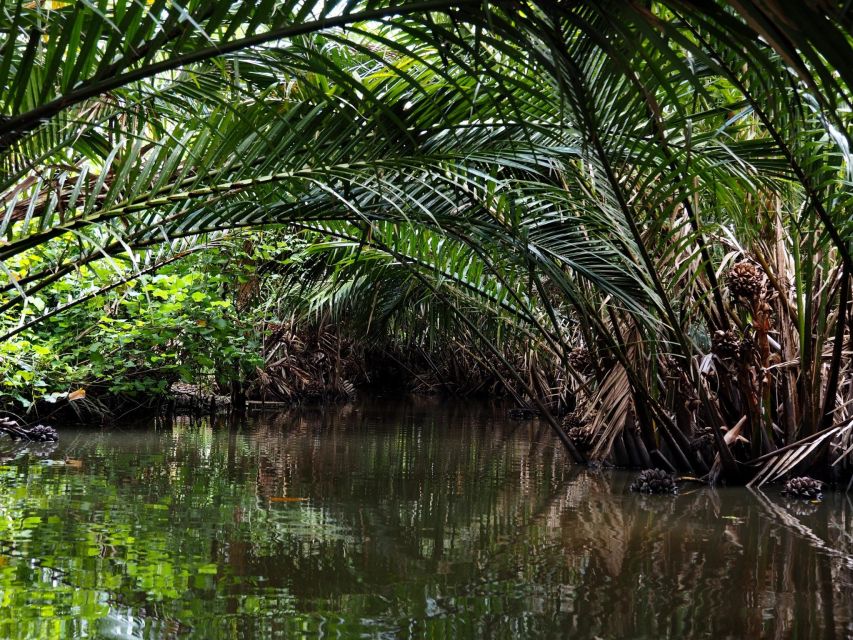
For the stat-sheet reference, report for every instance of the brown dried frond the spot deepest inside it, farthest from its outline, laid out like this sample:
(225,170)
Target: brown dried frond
(704,438)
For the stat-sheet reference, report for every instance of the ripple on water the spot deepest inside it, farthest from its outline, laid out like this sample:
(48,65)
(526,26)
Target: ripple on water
(411,519)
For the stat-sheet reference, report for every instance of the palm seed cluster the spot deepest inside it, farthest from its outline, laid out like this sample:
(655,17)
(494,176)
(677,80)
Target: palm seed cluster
(803,488)
(746,281)
(654,481)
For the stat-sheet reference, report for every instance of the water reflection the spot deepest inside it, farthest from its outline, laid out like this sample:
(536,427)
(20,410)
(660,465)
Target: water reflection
(414,519)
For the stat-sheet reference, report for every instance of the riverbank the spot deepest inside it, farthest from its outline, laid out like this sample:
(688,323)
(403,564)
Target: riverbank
(290,366)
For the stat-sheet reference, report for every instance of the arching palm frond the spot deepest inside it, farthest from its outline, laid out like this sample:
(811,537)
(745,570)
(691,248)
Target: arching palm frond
(602,164)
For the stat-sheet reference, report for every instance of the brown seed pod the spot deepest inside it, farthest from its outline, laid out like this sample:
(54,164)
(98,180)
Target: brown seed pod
(725,344)
(746,349)
(672,367)
(582,437)
(580,359)
(573,420)
(654,481)
(745,281)
(804,488)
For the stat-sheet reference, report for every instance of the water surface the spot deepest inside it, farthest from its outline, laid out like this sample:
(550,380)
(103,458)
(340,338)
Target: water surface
(415,519)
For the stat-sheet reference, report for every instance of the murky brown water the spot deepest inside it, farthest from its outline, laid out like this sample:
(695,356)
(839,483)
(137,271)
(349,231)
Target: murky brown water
(388,519)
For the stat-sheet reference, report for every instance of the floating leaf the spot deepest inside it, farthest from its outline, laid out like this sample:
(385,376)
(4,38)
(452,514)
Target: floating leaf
(76,395)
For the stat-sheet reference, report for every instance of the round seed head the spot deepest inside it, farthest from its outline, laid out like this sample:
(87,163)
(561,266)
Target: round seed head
(654,481)
(580,359)
(803,488)
(725,344)
(745,281)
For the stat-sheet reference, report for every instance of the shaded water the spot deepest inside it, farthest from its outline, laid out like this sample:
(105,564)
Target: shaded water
(416,519)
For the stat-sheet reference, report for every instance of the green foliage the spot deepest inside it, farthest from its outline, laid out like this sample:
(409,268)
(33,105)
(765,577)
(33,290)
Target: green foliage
(178,324)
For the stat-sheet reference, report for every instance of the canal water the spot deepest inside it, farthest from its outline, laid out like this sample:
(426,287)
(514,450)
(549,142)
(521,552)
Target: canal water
(420,518)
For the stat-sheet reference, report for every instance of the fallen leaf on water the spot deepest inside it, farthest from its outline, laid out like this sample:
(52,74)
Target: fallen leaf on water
(285,499)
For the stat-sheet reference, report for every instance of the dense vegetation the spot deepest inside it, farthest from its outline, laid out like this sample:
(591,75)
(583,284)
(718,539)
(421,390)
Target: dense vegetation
(633,213)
